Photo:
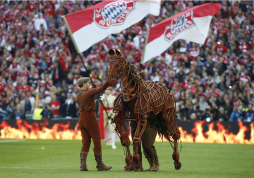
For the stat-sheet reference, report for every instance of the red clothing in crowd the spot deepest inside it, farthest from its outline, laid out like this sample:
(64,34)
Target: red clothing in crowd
(19,87)
(2,85)
(27,88)
(219,48)
(55,104)
(244,48)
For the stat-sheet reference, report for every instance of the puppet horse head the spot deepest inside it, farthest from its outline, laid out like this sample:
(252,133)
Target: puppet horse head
(116,64)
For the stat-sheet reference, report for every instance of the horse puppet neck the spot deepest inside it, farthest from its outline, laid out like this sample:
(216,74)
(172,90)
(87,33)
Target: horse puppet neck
(130,81)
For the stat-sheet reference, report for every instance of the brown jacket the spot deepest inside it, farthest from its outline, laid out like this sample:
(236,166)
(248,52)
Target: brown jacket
(88,97)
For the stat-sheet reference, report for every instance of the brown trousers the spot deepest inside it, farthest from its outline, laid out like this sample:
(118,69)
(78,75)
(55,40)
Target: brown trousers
(90,130)
(146,139)
(154,131)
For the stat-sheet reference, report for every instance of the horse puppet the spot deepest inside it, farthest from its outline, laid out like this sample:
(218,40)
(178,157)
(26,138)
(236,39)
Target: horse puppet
(143,100)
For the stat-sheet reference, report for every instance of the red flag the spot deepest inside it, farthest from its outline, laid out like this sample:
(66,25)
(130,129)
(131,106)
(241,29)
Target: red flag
(192,25)
(95,23)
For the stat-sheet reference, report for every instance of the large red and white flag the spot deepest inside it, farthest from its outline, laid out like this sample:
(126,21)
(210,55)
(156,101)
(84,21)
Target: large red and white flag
(192,25)
(93,24)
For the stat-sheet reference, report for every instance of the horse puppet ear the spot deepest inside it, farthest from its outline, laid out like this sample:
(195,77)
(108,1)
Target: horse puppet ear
(118,52)
(111,52)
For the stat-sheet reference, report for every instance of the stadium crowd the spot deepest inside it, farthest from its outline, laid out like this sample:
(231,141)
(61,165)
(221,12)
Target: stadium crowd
(213,81)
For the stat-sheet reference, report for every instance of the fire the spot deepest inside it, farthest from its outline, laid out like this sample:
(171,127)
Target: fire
(33,131)
(40,130)
(222,135)
(185,137)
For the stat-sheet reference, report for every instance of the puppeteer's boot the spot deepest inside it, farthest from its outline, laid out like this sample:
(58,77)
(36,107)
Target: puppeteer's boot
(100,165)
(83,156)
(151,160)
(148,159)
(156,160)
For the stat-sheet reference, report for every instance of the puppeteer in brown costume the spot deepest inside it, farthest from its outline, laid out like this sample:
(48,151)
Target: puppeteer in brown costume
(152,133)
(88,124)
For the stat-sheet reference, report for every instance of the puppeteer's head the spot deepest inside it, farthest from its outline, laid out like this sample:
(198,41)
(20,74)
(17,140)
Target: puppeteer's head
(83,83)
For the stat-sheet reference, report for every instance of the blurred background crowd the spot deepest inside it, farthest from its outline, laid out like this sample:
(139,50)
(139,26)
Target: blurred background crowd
(213,81)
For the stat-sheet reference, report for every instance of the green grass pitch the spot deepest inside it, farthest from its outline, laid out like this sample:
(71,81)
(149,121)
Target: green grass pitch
(60,158)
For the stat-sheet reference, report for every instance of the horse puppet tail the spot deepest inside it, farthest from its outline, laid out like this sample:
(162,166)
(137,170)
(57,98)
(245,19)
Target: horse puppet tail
(167,127)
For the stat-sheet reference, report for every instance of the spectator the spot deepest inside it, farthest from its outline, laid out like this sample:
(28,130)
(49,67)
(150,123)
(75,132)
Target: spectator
(69,107)
(38,112)
(40,23)
(46,112)
(228,109)
(248,113)
(198,113)
(3,105)
(62,99)
(31,99)
(207,115)
(220,115)
(216,78)
(2,85)
(27,107)
(55,106)
(180,75)
(236,115)
(11,109)
(203,104)
(19,113)
(47,97)
(57,74)
(220,100)
(180,106)
(188,110)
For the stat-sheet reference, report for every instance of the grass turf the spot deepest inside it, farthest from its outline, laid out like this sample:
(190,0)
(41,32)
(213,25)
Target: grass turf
(60,158)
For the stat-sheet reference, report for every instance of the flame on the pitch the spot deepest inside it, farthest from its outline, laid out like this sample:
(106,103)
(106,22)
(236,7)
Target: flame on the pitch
(221,135)
(33,131)
(62,131)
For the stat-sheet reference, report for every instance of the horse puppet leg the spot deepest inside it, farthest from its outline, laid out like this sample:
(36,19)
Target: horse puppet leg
(173,129)
(125,141)
(175,132)
(142,122)
(175,156)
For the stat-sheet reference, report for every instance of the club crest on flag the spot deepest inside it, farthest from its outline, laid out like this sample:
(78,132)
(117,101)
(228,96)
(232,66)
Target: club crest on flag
(178,25)
(113,13)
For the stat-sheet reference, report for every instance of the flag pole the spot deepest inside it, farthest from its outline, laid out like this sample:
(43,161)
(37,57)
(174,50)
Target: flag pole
(76,47)
(69,30)
(78,52)
(37,97)
(147,35)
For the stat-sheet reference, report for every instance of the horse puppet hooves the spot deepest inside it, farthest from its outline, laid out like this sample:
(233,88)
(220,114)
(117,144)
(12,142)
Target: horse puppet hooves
(175,156)
(128,168)
(178,165)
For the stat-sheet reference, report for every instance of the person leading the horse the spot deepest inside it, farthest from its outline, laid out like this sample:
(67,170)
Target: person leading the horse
(88,124)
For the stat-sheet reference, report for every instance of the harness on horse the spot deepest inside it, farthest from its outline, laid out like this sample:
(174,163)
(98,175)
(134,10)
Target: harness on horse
(83,107)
